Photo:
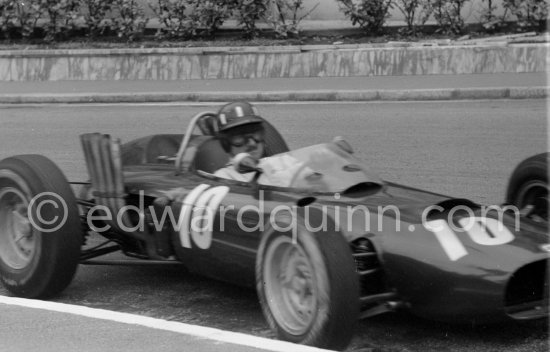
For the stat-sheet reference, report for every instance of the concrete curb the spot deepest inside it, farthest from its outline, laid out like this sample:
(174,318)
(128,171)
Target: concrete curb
(274,96)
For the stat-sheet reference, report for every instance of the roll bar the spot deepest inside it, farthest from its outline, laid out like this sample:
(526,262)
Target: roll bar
(187,136)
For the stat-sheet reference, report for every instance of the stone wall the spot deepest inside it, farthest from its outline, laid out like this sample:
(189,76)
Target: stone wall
(269,62)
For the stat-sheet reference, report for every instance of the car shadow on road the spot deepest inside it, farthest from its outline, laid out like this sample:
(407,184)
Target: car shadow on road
(167,292)
(402,331)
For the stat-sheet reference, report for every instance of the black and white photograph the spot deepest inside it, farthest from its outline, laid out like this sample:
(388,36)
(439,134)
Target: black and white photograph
(274,175)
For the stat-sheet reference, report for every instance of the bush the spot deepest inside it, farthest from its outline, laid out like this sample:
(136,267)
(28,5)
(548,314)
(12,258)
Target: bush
(447,14)
(529,13)
(487,17)
(173,17)
(194,18)
(285,19)
(248,12)
(7,12)
(209,15)
(95,12)
(129,20)
(62,15)
(487,12)
(416,13)
(190,18)
(19,15)
(369,14)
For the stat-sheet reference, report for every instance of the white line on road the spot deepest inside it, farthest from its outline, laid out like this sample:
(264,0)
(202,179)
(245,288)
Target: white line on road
(160,324)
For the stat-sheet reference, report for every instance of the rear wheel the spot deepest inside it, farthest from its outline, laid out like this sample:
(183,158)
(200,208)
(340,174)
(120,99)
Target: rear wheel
(308,287)
(528,187)
(40,233)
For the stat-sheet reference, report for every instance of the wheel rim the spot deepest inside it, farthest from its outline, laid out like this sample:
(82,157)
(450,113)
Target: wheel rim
(532,198)
(291,289)
(17,239)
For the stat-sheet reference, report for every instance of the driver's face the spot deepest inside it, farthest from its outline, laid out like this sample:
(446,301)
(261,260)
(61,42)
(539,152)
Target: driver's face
(252,144)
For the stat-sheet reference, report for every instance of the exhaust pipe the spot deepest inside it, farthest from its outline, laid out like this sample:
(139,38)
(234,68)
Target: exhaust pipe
(105,169)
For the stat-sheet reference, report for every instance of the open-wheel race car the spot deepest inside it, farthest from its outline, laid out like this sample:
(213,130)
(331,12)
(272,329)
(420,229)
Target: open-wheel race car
(336,245)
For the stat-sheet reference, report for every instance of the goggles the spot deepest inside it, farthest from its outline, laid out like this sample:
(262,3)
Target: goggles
(243,139)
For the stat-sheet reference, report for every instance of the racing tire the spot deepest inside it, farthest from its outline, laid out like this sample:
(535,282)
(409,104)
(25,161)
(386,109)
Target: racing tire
(308,287)
(528,185)
(40,230)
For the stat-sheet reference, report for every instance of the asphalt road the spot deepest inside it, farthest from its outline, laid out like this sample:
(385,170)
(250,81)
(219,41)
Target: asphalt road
(466,149)
(463,148)
(31,329)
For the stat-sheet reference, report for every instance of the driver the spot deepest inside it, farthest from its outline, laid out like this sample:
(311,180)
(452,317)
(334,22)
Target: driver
(242,135)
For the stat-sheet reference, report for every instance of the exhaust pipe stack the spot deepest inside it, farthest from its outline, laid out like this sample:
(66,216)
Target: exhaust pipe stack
(104,165)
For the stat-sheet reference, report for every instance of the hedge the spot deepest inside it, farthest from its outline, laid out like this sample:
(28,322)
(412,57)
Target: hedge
(57,20)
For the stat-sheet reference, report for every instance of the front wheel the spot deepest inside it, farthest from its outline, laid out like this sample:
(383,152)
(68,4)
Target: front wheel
(40,232)
(528,187)
(308,287)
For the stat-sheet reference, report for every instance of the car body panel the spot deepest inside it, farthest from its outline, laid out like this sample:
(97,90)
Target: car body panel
(449,275)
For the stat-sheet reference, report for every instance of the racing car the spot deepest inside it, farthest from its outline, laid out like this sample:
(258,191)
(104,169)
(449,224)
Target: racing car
(337,245)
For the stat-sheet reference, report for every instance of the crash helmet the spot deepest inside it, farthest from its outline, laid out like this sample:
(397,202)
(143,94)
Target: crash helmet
(236,119)
(237,114)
